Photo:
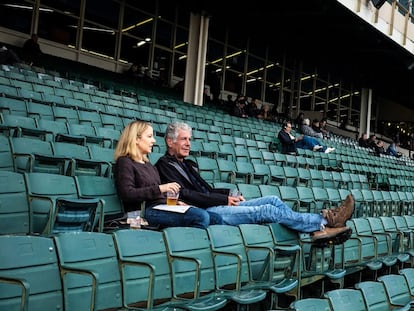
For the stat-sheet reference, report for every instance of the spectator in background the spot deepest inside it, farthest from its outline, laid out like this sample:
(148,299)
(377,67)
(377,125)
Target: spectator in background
(393,151)
(8,56)
(307,130)
(239,109)
(363,141)
(299,120)
(31,52)
(252,108)
(323,129)
(290,143)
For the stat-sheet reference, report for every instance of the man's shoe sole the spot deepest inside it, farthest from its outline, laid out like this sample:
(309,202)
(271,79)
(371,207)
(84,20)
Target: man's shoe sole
(332,240)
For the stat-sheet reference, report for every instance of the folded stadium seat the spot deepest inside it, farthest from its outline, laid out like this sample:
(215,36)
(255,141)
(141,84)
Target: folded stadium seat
(255,155)
(64,114)
(380,205)
(382,243)
(277,175)
(112,121)
(14,212)
(306,200)
(231,259)
(244,172)
(190,255)
(266,190)
(268,157)
(362,209)
(375,296)
(29,273)
(13,106)
(406,202)
(280,159)
(208,169)
(145,270)
(90,271)
(346,299)
(357,256)
(370,203)
(261,174)
(249,191)
(55,206)
(86,131)
(19,126)
(110,135)
(6,158)
(401,240)
(81,162)
(103,189)
(397,204)
(40,111)
(228,150)
(313,266)
(397,290)
(89,117)
(34,155)
(408,273)
(321,198)
(306,304)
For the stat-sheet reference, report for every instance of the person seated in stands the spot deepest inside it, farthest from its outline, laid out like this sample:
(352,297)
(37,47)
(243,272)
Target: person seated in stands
(393,151)
(239,109)
(299,120)
(323,129)
(137,180)
(379,147)
(31,52)
(290,142)
(306,129)
(174,166)
(252,108)
(8,56)
(363,141)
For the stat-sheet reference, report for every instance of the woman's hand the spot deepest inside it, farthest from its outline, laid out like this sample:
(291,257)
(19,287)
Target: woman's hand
(172,186)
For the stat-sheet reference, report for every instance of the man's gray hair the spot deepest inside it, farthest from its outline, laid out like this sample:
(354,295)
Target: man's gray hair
(173,129)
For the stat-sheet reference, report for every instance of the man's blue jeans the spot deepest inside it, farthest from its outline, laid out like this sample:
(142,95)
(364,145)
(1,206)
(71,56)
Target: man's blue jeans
(193,217)
(266,210)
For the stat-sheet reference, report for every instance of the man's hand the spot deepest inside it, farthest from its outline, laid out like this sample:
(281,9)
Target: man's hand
(234,201)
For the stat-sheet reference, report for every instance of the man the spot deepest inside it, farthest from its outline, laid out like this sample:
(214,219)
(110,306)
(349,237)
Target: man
(290,143)
(174,167)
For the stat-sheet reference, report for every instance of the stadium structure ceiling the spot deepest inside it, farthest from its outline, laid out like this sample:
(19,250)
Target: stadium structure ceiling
(324,33)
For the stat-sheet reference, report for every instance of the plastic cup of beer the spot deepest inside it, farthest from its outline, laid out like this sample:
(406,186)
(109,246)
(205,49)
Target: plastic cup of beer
(172,198)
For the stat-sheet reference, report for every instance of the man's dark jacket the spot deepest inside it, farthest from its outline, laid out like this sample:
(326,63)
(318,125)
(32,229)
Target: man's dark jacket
(171,170)
(288,145)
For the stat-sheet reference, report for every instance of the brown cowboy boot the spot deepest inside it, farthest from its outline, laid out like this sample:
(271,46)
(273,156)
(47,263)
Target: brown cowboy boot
(338,216)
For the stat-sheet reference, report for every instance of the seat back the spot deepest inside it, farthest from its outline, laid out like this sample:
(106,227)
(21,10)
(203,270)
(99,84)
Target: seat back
(6,159)
(345,299)
(145,271)
(374,295)
(311,304)
(90,271)
(397,289)
(29,274)
(234,269)
(55,206)
(195,274)
(104,189)
(14,208)
(260,250)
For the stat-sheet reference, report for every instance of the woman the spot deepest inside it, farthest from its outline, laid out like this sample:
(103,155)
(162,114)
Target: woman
(137,180)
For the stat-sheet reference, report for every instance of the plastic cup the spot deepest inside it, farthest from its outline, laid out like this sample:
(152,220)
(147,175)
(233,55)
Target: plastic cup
(172,198)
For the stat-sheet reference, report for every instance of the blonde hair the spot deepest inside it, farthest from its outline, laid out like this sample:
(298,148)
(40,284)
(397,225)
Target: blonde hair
(126,145)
